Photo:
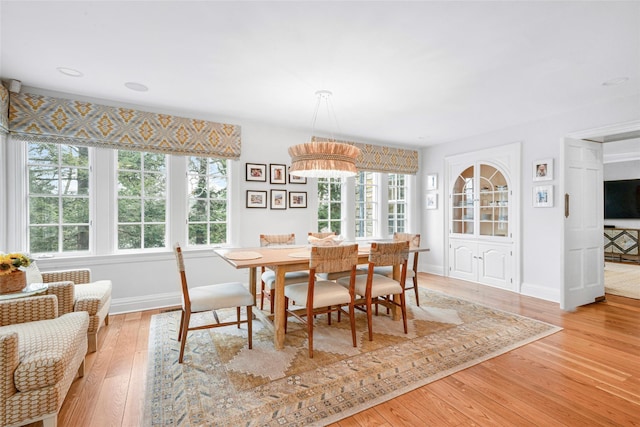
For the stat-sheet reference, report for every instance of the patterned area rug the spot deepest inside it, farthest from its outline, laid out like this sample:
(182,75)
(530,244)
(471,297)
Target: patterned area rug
(622,279)
(223,383)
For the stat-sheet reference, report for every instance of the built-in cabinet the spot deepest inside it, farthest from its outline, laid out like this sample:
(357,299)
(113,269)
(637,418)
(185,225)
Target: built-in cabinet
(482,216)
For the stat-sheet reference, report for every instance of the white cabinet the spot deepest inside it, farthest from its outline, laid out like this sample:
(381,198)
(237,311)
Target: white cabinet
(483,216)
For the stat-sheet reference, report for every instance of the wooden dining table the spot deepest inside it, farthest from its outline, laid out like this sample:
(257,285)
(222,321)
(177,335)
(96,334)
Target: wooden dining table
(283,259)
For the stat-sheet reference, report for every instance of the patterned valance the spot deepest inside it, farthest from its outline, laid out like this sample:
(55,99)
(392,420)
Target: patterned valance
(64,121)
(379,158)
(4,110)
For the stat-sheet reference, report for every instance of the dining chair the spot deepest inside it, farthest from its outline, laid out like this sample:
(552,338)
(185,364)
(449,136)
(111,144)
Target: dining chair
(379,289)
(412,273)
(211,298)
(325,296)
(268,277)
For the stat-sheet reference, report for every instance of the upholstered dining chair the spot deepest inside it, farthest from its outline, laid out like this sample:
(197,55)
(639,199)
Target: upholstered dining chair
(380,289)
(325,296)
(268,277)
(412,273)
(211,298)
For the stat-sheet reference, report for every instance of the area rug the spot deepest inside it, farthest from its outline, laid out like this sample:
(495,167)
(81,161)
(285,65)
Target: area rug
(622,279)
(223,383)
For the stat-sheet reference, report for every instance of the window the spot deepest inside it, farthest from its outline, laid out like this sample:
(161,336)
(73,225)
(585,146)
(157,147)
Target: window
(58,197)
(208,203)
(367,204)
(142,200)
(397,203)
(330,205)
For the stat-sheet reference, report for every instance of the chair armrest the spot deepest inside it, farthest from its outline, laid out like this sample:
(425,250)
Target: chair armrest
(65,292)
(77,276)
(9,360)
(29,309)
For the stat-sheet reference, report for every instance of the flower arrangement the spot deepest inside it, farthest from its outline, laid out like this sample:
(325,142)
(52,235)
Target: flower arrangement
(10,263)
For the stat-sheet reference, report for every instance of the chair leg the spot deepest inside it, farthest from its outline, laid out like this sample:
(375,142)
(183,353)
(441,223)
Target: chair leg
(250,326)
(238,316)
(182,314)
(352,320)
(185,331)
(415,289)
(403,307)
(370,318)
(262,297)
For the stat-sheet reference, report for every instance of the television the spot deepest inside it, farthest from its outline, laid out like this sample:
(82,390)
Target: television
(622,199)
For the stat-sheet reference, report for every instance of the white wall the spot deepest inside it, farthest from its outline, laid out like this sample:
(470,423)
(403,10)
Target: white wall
(541,236)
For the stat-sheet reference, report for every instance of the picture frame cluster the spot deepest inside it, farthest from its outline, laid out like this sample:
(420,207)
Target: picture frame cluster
(278,199)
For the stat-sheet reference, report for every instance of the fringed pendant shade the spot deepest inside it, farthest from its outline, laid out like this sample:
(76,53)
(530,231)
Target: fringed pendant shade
(323,160)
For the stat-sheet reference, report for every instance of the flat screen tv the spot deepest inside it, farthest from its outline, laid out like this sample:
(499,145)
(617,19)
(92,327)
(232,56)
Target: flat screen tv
(622,199)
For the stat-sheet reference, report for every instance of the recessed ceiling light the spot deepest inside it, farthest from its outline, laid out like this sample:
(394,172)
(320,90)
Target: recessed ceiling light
(70,72)
(616,81)
(138,87)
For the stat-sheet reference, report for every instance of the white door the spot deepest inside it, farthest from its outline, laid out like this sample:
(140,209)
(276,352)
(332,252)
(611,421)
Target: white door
(583,223)
(462,260)
(495,262)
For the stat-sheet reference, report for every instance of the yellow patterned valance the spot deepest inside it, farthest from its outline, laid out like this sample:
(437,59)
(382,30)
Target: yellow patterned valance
(47,119)
(379,158)
(4,110)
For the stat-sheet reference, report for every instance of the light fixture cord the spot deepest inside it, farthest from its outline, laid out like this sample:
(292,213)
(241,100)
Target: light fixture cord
(326,95)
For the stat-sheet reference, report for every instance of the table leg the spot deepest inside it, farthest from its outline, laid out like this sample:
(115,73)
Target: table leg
(253,283)
(279,309)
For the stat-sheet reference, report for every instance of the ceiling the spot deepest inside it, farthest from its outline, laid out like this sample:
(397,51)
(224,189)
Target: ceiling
(404,73)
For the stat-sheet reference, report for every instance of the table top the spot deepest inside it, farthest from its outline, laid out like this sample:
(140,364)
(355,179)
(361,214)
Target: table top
(32,289)
(279,255)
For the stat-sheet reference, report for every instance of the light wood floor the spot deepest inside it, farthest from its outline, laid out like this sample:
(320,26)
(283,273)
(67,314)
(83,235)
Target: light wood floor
(586,375)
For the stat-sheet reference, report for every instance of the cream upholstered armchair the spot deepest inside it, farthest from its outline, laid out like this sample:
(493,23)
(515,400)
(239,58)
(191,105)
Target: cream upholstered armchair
(76,292)
(40,356)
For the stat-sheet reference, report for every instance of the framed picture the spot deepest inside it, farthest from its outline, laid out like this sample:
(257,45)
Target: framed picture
(432,181)
(278,199)
(432,201)
(297,199)
(543,196)
(256,172)
(297,179)
(256,199)
(278,174)
(543,170)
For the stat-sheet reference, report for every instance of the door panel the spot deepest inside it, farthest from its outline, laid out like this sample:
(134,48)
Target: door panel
(495,266)
(462,262)
(583,249)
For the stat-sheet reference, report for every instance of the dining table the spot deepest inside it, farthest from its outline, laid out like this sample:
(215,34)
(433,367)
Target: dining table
(283,259)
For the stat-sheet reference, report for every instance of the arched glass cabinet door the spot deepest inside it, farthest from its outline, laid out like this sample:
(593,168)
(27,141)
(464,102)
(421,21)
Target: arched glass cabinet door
(493,202)
(480,202)
(462,202)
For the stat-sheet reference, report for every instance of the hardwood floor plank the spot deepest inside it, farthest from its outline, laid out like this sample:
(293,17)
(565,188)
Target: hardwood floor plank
(586,374)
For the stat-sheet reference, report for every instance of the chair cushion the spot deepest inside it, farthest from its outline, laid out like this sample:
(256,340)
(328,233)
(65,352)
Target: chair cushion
(222,295)
(269,278)
(91,297)
(382,285)
(46,348)
(326,293)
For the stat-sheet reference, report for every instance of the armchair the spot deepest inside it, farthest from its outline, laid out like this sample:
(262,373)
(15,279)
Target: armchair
(40,355)
(76,292)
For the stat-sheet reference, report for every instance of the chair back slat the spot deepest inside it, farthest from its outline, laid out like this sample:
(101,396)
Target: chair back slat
(393,253)
(277,239)
(331,259)
(413,239)
(183,275)
(322,235)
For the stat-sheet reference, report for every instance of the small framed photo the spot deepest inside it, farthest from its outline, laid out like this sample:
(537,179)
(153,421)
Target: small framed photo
(297,199)
(432,201)
(543,196)
(278,174)
(256,199)
(432,181)
(297,179)
(256,172)
(543,170)
(278,199)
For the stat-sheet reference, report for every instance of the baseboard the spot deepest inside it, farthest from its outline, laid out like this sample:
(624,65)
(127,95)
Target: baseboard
(540,292)
(147,302)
